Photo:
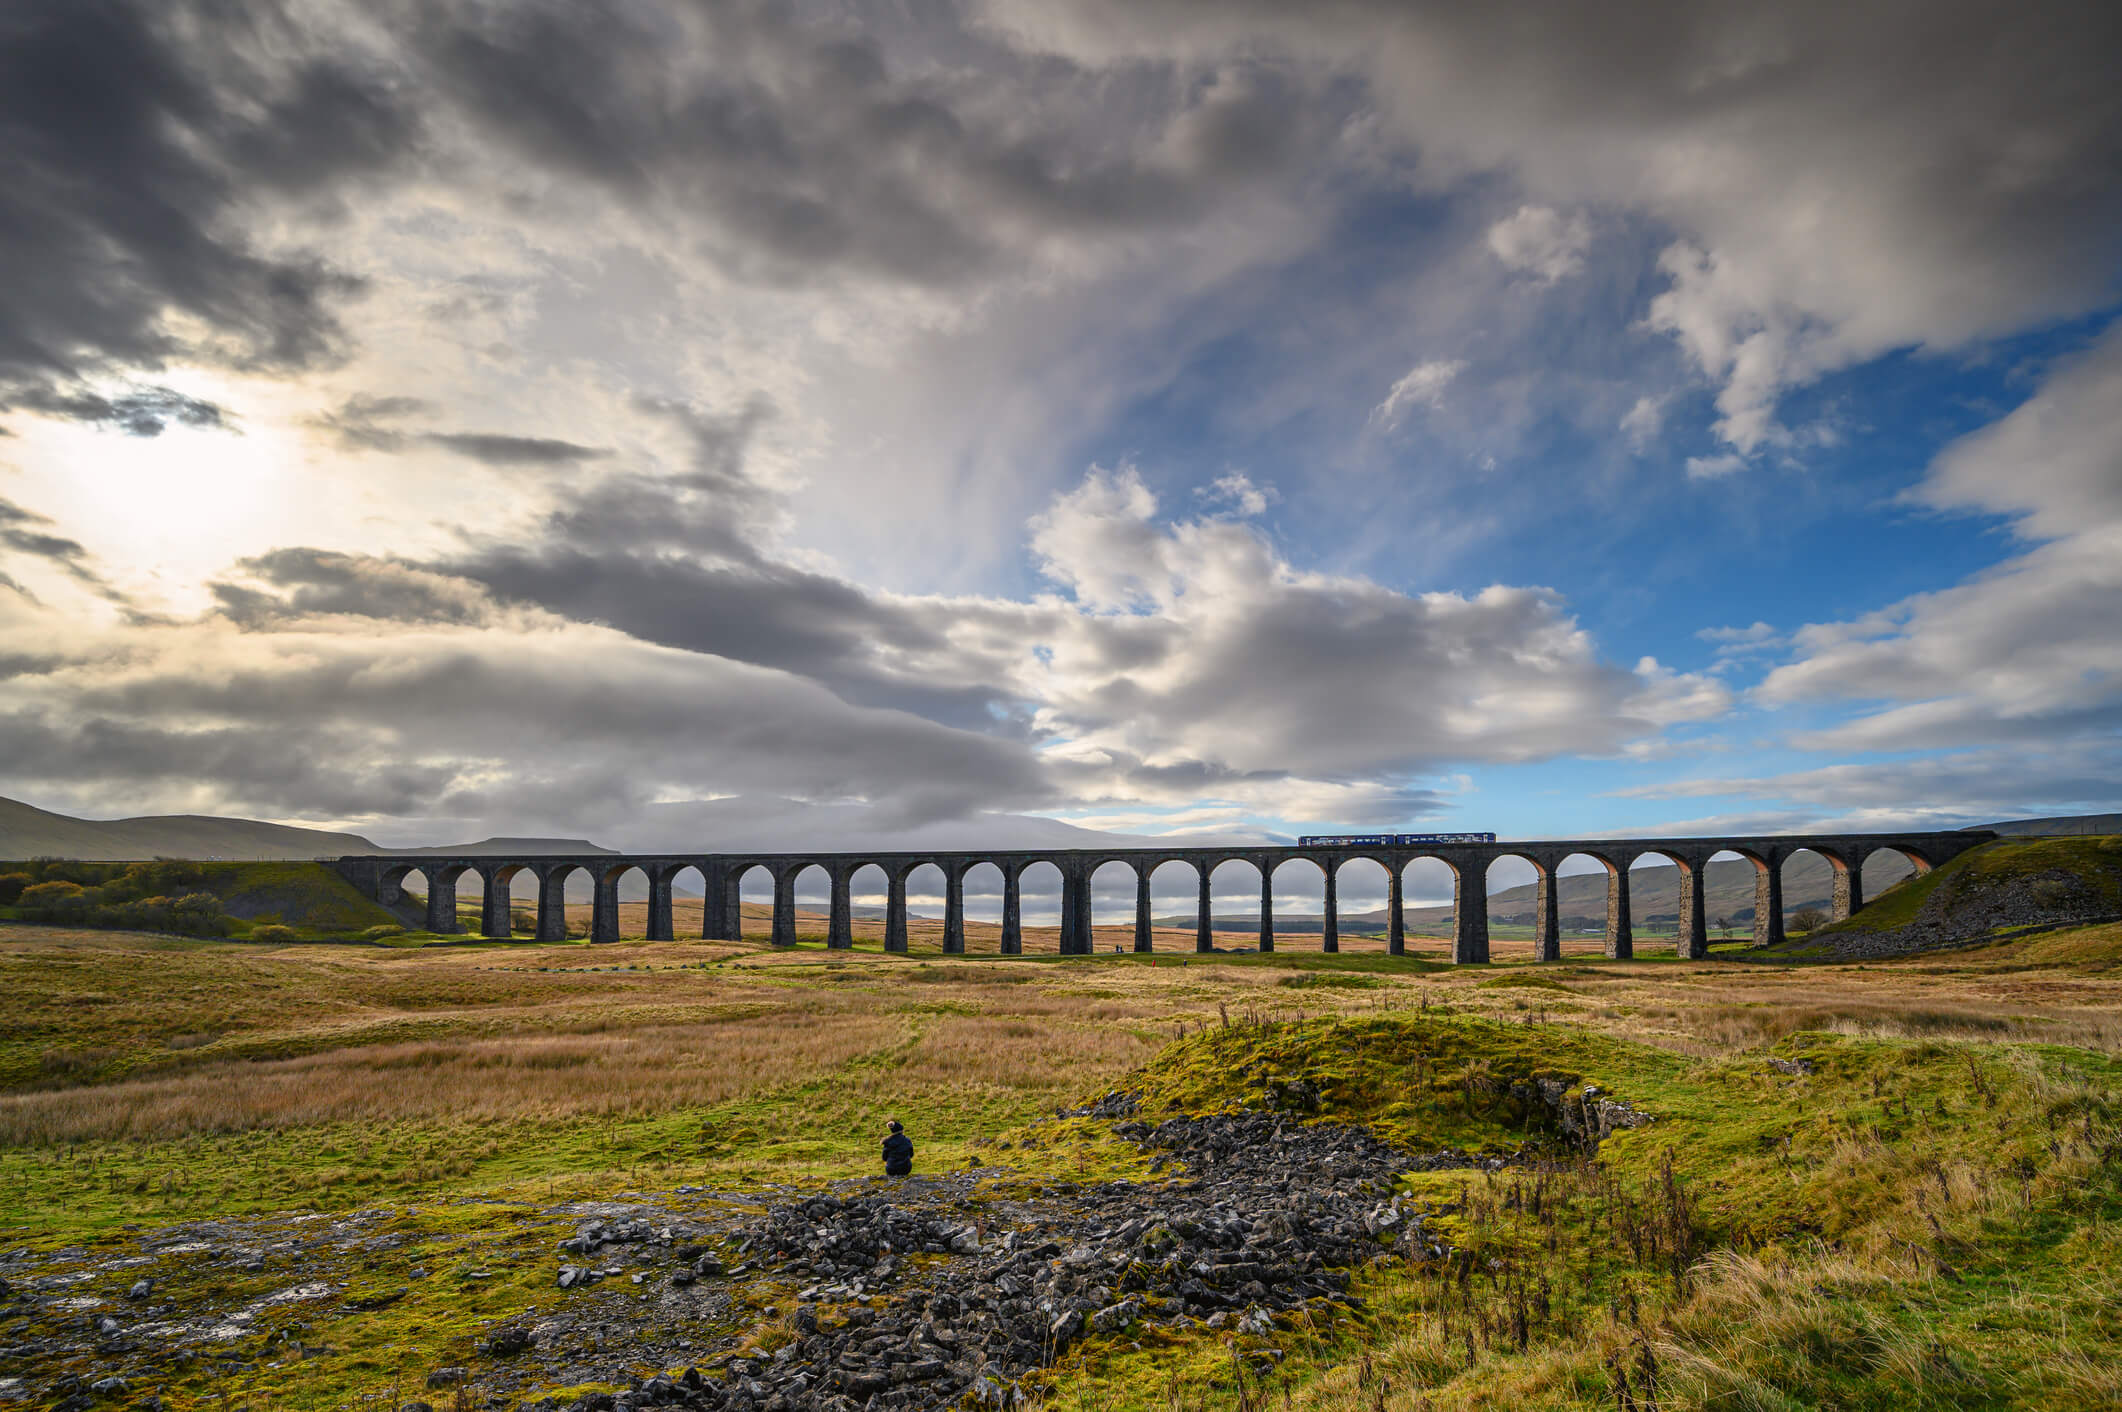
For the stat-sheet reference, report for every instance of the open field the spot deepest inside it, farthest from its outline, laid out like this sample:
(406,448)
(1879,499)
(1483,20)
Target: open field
(145,1081)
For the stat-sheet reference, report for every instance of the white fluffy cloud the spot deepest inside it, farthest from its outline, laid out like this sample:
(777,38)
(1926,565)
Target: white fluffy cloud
(1713,467)
(1237,492)
(1421,386)
(2055,463)
(2032,649)
(1541,241)
(1644,420)
(1202,649)
(1941,792)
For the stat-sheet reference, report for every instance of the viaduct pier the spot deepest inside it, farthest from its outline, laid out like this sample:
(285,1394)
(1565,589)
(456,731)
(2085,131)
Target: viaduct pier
(720,876)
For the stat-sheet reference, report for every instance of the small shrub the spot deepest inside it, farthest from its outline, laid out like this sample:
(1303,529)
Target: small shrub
(11,885)
(1808,919)
(273,931)
(377,933)
(52,896)
(194,914)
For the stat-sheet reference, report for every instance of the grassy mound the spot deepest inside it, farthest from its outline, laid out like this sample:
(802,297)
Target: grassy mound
(306,896)
(1859,1223)
(1423,1081)
(2009,885)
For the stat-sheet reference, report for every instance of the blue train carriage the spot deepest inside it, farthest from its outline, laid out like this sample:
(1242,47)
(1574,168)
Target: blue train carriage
(1389,840)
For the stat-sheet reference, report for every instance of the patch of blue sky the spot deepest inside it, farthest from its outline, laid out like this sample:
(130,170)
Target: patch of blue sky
(1646,555)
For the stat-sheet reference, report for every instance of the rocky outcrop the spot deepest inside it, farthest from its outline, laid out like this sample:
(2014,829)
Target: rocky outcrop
(1270,1214)
(1588,1115)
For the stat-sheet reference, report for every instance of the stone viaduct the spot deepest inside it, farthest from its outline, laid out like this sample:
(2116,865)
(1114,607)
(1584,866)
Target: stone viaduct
(721,874)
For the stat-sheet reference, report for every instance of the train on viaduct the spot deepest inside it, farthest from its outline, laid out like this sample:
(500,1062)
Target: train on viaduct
(720,877)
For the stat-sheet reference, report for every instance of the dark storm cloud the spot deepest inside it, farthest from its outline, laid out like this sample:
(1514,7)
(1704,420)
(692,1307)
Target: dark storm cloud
(496,449)
(680,560)
(133,137)
(353,724)
(19,532)
(799,149)
(816,626)
(146,412)
(312,582)
(24,532)
(147,148)
(364,423)
(332,772)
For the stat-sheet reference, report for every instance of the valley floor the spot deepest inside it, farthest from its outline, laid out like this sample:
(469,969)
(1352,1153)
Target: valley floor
(1883,1185)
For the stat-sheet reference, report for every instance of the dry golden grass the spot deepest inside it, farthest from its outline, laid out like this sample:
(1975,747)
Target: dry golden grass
(1003,1050)
(107,1035)
(536,1076)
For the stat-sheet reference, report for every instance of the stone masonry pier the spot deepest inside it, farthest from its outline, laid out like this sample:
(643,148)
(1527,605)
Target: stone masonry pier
(720,877)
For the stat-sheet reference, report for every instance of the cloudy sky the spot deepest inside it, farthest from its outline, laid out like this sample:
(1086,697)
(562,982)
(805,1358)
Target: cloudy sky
(681,423)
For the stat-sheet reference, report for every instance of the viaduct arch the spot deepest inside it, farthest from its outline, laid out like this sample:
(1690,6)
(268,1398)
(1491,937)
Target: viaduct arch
(382,877)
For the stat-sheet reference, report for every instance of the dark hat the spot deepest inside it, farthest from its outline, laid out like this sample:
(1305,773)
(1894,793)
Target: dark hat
(894,1124)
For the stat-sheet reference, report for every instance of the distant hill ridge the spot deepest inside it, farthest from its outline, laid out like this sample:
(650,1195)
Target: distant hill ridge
(2069,826)
(500,847)
(30,832)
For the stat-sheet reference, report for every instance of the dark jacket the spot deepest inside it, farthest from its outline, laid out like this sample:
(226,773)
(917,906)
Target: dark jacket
(898,1155)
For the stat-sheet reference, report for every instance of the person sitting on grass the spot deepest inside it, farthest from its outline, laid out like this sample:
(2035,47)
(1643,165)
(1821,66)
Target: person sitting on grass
(898,1151)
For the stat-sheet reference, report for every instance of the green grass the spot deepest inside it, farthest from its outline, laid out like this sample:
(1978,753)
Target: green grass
(1914,1224)
(2089,950)
(307,896)
(1813,1273)
(794,1132)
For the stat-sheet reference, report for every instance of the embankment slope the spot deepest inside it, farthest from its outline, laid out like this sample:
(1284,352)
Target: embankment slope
(2010,887)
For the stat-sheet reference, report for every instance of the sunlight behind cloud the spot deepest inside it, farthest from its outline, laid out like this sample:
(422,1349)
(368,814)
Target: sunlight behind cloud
(892,421)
